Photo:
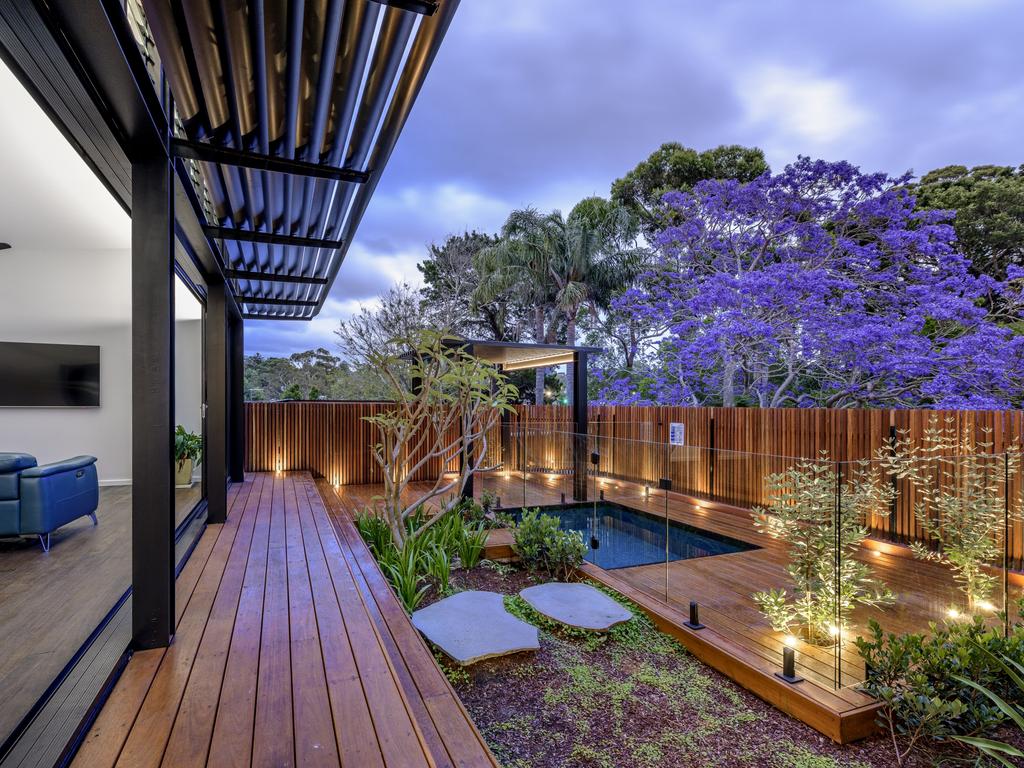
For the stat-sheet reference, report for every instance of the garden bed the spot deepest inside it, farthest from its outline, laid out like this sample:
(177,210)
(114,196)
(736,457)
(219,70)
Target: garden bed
(631,697)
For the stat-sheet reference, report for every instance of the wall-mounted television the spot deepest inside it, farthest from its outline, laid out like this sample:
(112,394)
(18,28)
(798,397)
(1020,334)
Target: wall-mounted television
(49,375)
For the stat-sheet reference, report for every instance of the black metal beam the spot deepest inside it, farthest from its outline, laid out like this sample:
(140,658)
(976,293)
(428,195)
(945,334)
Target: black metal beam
(152,401)
(207,153)
(216,458)
(236,397)
(268,238)
(426,7)
(272,277)
(262,316)
(273,302)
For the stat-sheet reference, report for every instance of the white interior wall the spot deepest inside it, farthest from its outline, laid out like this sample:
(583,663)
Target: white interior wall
(72,297)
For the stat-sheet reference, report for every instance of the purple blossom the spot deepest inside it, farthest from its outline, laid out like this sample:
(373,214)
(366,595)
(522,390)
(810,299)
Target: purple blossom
(820,285)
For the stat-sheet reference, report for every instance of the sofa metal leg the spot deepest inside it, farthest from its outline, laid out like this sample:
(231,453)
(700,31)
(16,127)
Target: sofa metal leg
(94,520)
(44,541)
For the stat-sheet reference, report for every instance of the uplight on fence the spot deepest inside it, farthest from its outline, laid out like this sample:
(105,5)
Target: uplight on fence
(953,613)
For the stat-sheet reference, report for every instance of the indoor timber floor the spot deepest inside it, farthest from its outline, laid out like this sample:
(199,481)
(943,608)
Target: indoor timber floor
(290,649)
(50,602)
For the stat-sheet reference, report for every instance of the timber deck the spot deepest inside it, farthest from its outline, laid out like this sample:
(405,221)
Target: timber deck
(290,650)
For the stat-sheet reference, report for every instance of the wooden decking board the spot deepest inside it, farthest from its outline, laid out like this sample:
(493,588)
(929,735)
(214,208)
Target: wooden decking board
(148,738)
(106,738)
(421,715)
(418,671)
(231,740)
(397,734)
(278,658)
(273,734)
(353,725)
(315,741)
(193,726)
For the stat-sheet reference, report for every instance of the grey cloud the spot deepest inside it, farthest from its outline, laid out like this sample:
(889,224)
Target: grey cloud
(529,101)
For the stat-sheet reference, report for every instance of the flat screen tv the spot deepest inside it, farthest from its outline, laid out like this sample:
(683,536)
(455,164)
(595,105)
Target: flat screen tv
(49,375)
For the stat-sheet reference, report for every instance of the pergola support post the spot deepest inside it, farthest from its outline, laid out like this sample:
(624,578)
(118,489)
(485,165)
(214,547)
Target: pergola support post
(152,400)
(217,388)
(579,419)
(236,396)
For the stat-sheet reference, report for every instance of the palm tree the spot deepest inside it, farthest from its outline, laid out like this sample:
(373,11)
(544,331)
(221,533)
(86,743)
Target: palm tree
(559,265)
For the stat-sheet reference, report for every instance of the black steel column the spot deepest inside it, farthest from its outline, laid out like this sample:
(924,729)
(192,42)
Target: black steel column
(236,396)
(579,419)
(216,402)
(152,400)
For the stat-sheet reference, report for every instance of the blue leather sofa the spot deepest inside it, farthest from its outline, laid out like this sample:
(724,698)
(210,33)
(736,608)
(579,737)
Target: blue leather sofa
(37,500)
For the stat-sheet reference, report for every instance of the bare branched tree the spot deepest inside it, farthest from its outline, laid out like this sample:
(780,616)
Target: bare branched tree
(446,403)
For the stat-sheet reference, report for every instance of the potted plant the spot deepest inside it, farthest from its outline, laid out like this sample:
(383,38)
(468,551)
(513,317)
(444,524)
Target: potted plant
(188,452)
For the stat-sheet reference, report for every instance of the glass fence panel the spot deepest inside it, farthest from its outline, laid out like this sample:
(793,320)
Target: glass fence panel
(936,540)
(791,558)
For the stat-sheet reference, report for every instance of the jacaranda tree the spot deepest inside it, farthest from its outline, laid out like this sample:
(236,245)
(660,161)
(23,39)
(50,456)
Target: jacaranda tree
(820,285)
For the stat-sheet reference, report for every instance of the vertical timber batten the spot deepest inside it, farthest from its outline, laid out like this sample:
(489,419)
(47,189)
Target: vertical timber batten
(152,400)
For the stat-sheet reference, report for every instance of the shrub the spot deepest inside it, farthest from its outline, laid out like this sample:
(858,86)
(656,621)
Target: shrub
(921,680)
(999,751)
(488,501)
(961,502)
(543,546)
(802,512)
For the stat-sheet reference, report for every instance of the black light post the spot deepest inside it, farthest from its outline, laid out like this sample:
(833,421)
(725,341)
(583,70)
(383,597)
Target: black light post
(788,672)
(694,622)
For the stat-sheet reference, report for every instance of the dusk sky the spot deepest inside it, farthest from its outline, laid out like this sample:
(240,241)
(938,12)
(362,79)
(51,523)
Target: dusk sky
(543,102)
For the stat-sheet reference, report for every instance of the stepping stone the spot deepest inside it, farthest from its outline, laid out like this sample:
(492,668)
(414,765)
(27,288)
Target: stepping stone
(472,626)
(578,605)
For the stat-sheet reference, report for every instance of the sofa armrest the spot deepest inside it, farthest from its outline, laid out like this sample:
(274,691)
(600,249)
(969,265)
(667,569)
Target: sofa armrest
(15,462)
(57,494)
(57,467)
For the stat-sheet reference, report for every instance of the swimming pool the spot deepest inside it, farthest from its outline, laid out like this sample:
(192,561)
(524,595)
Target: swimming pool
(622,537)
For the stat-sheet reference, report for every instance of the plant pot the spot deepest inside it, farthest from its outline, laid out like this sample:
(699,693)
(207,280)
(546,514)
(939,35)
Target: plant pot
(183,474)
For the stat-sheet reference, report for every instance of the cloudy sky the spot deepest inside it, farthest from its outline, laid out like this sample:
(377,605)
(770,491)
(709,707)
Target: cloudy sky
(543,102)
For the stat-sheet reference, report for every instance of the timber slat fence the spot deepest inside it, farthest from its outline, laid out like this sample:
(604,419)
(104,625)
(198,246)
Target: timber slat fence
(728,452)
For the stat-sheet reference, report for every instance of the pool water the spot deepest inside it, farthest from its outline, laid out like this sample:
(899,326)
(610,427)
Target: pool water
(626,537)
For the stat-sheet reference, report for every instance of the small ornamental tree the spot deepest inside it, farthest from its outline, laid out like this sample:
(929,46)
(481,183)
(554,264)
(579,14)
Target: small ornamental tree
(827,578)
(961,505)
(446,402)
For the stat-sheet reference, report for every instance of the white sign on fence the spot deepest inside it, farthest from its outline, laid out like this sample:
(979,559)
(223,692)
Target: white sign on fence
(677,433)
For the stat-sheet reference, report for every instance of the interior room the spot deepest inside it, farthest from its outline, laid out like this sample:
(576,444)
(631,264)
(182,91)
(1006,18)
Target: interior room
(65,305)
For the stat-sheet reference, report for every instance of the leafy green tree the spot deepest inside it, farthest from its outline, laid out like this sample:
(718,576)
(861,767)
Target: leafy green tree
(989,205)
(292,393)
(673,167)
(449,290)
